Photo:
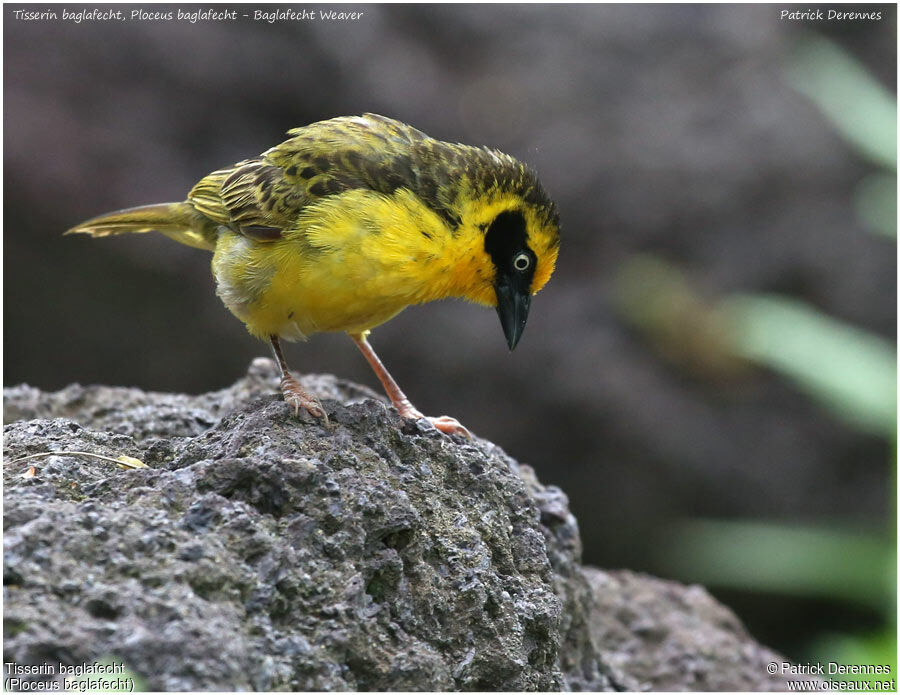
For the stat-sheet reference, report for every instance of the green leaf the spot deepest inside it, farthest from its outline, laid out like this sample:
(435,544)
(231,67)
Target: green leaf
(860,108)
(794,560)
(852,372)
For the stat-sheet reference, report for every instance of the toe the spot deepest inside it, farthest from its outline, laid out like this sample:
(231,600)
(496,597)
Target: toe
(449,425)
(298,399)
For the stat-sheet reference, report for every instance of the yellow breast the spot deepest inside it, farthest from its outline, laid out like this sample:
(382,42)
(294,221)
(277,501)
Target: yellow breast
(350,263)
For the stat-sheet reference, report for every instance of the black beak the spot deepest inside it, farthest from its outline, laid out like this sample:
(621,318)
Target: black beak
(512,308)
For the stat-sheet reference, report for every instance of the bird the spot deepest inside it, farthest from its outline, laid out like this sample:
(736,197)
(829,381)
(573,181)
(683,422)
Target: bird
(349,221)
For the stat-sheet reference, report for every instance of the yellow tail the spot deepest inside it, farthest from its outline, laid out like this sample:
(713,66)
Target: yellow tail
(178,221)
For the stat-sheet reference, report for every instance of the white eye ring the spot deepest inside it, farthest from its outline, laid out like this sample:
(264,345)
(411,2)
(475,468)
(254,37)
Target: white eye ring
(521,262)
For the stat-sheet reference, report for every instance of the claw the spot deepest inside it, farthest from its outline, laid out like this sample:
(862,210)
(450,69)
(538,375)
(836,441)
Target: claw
(449,425)
(444,423)
(296,397)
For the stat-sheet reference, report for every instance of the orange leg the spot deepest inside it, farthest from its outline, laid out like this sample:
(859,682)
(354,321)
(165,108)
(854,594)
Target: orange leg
(406,409)
(294,394)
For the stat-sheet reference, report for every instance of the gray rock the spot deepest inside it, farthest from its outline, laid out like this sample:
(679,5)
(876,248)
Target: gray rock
(261,551)
(664,636)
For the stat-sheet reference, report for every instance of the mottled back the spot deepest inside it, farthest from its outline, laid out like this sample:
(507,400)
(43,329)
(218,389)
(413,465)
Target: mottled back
(261,197)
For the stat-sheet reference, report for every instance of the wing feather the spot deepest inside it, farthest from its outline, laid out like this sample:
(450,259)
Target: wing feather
(263,196)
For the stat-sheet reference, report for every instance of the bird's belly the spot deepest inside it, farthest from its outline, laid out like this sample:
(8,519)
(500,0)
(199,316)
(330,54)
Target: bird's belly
(302,311)
(283,294)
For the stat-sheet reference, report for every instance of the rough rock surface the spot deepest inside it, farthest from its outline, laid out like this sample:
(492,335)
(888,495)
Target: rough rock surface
(665,636)
(259,551)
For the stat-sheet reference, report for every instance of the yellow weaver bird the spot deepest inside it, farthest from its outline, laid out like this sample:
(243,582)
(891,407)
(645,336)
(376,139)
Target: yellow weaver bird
(351,220)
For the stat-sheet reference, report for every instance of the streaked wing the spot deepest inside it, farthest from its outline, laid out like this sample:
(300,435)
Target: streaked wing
(261,197)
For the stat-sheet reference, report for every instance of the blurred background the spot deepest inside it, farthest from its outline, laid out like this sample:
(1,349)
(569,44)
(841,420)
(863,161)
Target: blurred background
(711,373)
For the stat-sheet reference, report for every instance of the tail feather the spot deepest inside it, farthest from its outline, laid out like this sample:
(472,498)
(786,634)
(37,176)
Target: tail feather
(178,221)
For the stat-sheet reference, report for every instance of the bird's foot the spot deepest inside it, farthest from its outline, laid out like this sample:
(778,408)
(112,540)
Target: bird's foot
(444,423)
(449,425)
(296,397)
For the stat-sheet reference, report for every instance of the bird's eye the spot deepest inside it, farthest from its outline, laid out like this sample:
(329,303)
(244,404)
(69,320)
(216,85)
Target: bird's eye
(521,262)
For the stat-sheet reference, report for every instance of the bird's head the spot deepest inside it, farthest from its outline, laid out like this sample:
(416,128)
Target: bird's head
(506,229)
(521,245)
